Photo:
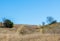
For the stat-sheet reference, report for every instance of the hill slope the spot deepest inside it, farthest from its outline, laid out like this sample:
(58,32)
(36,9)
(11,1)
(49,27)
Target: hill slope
(28,29)
(22,32)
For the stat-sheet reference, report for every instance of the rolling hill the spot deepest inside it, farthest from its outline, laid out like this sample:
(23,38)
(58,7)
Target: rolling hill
(24,32)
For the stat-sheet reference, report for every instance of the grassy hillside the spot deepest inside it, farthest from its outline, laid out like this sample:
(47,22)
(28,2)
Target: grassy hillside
(28,29)
(21,32)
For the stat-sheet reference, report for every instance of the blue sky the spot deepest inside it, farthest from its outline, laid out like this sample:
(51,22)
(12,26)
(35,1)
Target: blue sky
(29,11)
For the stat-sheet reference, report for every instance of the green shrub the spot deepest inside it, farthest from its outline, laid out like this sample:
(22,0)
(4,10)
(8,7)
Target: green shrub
(8,23)
(51,20)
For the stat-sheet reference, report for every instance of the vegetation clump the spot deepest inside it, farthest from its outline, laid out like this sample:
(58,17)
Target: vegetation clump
(51,20)
(8,23)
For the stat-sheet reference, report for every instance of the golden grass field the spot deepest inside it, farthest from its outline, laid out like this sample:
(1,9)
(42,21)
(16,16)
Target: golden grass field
(30,37)
(31,33)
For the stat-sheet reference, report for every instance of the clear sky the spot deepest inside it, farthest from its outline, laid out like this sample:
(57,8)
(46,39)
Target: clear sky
(29,11)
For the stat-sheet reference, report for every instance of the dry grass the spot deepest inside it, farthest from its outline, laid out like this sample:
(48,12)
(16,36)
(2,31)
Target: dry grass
(30,37)
(31,33)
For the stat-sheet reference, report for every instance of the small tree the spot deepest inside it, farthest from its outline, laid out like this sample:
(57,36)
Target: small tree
(8,23)
(51,20)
